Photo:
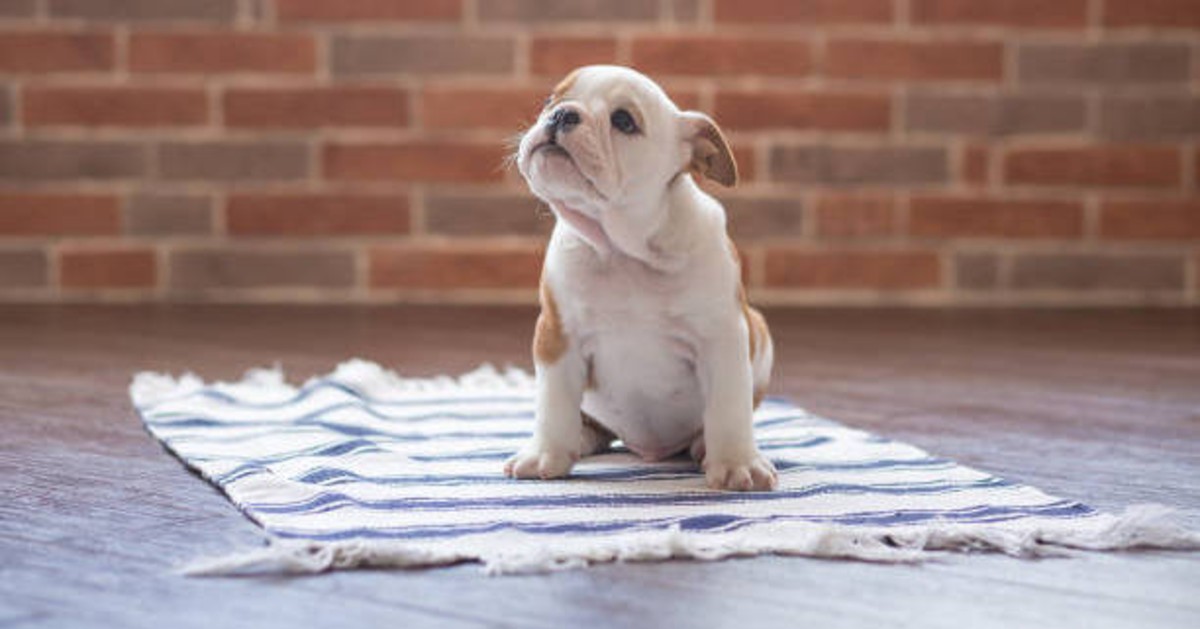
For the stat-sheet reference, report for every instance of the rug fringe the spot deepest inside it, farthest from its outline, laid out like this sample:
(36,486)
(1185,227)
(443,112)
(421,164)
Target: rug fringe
(1138,527)
(269,384)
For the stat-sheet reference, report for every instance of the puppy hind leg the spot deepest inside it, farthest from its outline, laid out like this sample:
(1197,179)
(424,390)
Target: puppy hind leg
(596,438)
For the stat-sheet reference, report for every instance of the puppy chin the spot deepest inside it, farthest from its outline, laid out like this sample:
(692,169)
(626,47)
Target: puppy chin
(553,175)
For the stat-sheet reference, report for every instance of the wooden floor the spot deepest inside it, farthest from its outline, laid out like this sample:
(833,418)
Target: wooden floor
(1099,406)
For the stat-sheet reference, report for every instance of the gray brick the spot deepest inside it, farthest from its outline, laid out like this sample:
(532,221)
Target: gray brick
(23,268)
(207,269)
(145,10)
(1150,117)
(25,160)
(420,54)
(6,100)
(18,8)
(858,165)
(168,215)
(536,11)
(1084,272)
(976,271)
(684,11)
(995,115)
(486,214)
(1103,63)
(234,161)
(751,218)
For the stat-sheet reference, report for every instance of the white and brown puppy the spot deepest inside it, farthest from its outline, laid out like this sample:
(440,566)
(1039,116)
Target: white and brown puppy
(644,325)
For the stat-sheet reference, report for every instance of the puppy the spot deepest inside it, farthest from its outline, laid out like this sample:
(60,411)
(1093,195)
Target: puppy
(644,324)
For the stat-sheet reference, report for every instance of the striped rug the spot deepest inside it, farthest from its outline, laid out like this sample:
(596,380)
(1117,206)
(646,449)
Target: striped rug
(364,468)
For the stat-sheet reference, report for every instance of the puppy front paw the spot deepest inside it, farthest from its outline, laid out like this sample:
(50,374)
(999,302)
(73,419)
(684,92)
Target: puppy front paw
(538,463)
(751,473)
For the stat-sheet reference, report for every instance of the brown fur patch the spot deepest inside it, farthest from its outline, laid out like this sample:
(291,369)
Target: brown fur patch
(549,342)
(756,324)
(711,155)
(564,86)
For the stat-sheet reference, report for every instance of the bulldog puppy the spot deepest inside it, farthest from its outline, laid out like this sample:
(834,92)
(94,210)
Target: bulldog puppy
(644,324)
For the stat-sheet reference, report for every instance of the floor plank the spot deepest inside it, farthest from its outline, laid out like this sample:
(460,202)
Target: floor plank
(1102,406)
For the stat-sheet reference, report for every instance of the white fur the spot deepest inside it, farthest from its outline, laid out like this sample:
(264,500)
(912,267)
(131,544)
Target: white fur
(640,268)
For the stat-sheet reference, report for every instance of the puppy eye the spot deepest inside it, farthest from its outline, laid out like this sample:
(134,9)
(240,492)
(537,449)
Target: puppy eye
(623,121)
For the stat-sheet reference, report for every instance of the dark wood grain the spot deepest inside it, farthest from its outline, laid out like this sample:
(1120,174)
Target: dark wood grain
(1101,406)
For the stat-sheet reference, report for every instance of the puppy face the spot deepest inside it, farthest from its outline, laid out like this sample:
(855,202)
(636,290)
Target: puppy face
(607,145)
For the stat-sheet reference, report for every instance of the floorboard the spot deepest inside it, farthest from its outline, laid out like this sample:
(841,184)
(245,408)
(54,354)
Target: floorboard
(1101,406)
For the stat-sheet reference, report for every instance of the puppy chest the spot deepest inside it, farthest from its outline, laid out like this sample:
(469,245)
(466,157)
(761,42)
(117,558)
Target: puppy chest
(644,388)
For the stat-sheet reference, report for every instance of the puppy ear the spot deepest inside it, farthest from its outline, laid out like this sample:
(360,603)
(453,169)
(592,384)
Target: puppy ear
(711,156)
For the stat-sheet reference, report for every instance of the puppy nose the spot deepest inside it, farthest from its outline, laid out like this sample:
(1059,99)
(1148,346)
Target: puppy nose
(563,120)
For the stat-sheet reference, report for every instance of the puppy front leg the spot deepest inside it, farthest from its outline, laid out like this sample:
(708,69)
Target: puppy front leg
(731,459)
(558,425)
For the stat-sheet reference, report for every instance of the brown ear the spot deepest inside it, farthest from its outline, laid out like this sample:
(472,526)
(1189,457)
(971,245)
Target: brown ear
(711,156)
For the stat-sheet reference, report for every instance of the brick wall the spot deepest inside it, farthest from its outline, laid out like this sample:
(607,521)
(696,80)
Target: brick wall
(895,151)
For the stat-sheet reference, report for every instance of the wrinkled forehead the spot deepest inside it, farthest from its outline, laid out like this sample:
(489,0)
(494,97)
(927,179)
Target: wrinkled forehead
(597,86)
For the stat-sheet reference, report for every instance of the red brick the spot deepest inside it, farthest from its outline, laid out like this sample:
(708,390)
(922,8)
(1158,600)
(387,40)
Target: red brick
(1094,166)
(441,268)
(1010,13)
(316,214)
(37,52)
(556,56)
(823,111)
(144,10)
(698,55)
(976,164)
(1156,13)
(805,12)
(480,108)
(36,214)
(853,269)
(841,215)
(312,107)
(459,162)
(1151,220)
(914,61)
(114,106)
(107,268)
(974,217)
(222,52)
(368,11)
(1196,167)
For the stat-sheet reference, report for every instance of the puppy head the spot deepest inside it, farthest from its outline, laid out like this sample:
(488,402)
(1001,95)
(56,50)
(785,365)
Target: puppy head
(609,142)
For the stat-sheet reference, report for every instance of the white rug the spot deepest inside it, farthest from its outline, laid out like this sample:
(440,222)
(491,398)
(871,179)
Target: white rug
(363,468)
